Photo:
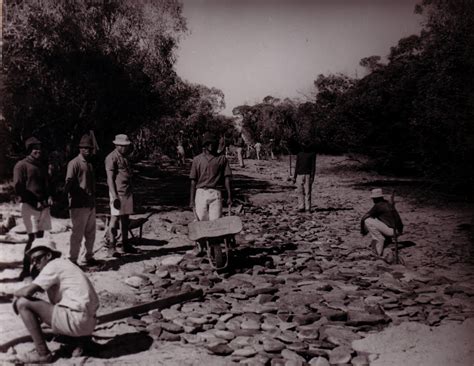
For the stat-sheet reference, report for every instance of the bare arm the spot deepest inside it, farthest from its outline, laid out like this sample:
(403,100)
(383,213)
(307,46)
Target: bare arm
(192,193)
(111,184)
(228,187)
(27,291)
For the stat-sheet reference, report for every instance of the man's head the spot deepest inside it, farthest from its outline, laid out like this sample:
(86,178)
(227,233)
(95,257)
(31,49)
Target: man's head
(122,143)
(42,251)
(33,147)
(376,194)
(86,146)
(210,142)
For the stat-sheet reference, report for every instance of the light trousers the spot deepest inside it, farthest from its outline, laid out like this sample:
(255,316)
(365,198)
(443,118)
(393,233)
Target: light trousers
(83,226)
(379,231)
(240,157)
(304,183)
(208,204)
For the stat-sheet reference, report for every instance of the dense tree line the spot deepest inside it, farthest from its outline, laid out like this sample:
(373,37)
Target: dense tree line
(102,65)
(413,113)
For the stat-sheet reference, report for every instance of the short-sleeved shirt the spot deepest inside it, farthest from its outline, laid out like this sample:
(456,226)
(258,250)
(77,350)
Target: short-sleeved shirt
(80,177)
(30,179)
(385,212)
(305,163)
(122,172)
(67,285)
(209,171)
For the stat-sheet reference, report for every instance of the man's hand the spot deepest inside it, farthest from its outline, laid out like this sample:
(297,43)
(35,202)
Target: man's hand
(116,203)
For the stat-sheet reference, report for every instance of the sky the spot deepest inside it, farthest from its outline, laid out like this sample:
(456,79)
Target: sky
(254,48)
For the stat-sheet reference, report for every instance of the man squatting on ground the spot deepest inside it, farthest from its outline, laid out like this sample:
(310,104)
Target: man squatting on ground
(305,171)
(119,181)
(209,172)
(73,300)
(30,179)
(80,187)
(381,221)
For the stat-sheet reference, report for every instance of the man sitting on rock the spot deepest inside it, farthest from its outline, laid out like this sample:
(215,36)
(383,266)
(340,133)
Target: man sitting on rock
(73,306)
(382,222)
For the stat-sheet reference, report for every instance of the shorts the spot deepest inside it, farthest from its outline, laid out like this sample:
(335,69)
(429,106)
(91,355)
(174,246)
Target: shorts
(35,220)
(126,206)
(72,323)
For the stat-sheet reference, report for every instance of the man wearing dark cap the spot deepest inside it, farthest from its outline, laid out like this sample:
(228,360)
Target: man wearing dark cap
(210,172)
(30,179)
(80,187)
(119,181)
(73,300)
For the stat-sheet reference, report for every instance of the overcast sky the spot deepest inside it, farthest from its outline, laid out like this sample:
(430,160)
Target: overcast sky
(251,49)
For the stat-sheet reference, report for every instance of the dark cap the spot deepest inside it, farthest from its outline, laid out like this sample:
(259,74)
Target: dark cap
(32,141)
(209,138)
(86,141)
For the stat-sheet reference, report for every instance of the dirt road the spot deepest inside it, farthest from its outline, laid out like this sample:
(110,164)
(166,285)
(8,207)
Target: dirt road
(304,286)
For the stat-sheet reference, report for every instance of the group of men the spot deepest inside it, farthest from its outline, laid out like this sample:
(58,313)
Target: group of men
(32,185)
(73,300)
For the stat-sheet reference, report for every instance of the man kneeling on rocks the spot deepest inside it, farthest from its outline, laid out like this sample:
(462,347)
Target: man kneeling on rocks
(73,306)
(382,221)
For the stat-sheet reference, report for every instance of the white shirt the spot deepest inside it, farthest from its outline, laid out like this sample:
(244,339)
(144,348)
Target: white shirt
(67,285)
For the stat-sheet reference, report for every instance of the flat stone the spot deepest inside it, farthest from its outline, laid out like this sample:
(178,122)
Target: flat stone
(360,360)
(170,314)
(264,298)
(245,352)
(220,349)
(240,342)
(171,327)
(224,334)
(250,324)
(308,334)
(272,345)
(340,355)
(170,337)
(358,318)
(262,290)
(290,355)
(137,281)
(173,260)
(319,361)
(297,346)
(162,274)
(306,318)
(191,338)
(339,336)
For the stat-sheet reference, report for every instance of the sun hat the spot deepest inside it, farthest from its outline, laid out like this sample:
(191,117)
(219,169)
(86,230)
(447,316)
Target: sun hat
(32,141)
(121,140)
(209,138)
(376,193)
(86,141)
(43,243)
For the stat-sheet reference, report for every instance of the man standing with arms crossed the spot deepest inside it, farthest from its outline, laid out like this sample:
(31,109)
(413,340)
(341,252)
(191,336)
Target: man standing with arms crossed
(30,179)
(119,181)
(210,171)
(80,187)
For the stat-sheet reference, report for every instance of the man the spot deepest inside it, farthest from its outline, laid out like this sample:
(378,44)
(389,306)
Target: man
(240,144)
(382,221)
(119,181)
(304,177)
(73,300)
(209,172)
(30,179)
(258,148)
(80,187)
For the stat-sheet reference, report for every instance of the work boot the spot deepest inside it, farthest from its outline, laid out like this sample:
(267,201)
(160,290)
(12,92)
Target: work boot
(127,248)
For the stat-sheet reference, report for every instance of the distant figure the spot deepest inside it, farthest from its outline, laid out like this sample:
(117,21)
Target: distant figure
(271,147)
(304,177)
(80,188)
(119,181)
(210,172)
(30,180)
(258,148)
(73,300)
(240,144)
(381,221)
(181,153)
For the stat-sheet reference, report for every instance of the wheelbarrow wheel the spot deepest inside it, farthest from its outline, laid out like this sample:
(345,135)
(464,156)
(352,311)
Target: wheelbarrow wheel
(217,256)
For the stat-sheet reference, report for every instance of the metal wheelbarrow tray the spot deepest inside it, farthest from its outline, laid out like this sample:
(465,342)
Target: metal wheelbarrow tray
(212,234)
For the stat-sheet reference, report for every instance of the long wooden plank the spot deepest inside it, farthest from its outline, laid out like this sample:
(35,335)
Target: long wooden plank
(119,314)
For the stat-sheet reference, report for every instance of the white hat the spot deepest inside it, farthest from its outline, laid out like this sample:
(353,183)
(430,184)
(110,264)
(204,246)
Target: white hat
(43,243)
(376,193)
(121,140)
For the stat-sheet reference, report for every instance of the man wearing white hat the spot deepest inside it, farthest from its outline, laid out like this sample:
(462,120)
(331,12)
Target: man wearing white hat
(381,221)
(73,300)
(119,181)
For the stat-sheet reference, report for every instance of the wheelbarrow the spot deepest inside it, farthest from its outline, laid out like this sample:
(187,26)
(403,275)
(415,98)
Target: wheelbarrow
(216,237)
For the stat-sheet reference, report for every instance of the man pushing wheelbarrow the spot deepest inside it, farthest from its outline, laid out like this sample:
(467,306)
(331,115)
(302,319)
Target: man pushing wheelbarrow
(210,173)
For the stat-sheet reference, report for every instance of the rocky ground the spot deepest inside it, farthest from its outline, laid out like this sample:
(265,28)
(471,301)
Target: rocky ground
(304,288)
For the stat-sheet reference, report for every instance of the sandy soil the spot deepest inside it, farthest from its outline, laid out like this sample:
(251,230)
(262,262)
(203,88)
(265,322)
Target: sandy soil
(440,227)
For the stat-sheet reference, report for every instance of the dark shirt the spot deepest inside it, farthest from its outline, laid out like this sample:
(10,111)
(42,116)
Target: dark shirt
(209,171)
(80,183)
(30,179)
(305,163)
(385,212)
(122,172)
